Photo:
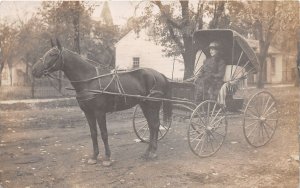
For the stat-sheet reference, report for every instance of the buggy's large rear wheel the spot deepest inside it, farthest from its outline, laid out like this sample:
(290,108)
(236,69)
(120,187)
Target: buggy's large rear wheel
(140,125)
(207,128)
(260,119)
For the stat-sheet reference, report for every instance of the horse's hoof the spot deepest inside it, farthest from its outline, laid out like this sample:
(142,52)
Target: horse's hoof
(149,156)
(92,161)
(152,155)
(107,163)
(100,158)
(145,156)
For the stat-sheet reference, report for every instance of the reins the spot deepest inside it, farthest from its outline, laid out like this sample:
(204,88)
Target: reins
(115,76)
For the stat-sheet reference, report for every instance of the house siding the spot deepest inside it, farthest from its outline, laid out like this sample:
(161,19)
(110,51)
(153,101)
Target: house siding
(150,54)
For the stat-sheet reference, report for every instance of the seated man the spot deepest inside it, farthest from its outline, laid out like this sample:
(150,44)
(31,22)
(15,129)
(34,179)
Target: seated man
(210,79)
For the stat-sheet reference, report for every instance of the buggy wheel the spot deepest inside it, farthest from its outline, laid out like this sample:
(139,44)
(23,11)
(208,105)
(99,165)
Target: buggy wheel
(207,128)
(260,119)
(140,125)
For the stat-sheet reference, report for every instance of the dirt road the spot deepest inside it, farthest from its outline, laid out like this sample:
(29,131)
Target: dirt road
(49,147)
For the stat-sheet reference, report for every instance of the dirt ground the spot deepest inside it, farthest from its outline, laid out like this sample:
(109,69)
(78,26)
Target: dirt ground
(49,147)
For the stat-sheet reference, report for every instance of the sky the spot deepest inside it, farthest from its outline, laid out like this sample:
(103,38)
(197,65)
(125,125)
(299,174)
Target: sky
(13,10)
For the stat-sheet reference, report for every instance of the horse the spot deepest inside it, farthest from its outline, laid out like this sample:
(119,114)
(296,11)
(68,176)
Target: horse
(85,77)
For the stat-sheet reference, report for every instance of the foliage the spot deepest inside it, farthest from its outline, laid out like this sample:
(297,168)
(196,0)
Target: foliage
(70,22)
(174,25)
(267,21)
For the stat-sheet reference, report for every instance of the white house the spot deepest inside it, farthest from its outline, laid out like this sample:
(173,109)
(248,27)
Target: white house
(136,50)
(17,74)
(273,70)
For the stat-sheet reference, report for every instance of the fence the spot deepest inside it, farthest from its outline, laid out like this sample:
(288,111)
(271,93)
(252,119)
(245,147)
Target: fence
(40,88)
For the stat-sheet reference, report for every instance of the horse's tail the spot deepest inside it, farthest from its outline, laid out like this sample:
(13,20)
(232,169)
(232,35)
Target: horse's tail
(167,105)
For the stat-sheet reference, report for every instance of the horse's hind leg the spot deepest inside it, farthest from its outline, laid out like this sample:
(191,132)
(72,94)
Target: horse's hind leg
(101,119)
(93,129)
(151,112)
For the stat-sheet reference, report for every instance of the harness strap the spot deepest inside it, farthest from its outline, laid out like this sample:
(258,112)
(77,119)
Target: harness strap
(99,80)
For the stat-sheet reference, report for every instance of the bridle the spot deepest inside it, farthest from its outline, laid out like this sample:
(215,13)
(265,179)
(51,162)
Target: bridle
(55,65)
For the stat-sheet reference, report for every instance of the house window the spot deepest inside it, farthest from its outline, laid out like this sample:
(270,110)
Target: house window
(136,62)
(273,66)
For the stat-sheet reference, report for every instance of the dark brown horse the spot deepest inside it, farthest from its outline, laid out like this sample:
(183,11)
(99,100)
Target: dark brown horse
(85,77)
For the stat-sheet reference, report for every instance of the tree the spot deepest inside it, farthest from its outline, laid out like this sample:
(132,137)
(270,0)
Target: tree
(8,35)
(176,22)
(68,20)
(265,20)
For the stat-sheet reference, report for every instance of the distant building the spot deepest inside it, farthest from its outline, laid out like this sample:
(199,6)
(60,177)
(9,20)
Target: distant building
(279,68)
(136,50)
(105,16)
(17,76)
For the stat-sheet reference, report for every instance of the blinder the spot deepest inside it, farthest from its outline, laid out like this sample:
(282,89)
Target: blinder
(55,65)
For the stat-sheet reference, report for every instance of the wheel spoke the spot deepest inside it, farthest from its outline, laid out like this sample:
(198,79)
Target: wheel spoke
(262,132)
(146,130)
(202,143)
(207,114)
(199,142)
(211,143)
(161,134)
(253,112)
(264,128)
(269,108)
(250,124)
(252,118)
(197,137)
(252,130)
(143,127)
(163,126)
(217,121)
(267,115)
(198,125)
(215,116)
(269,126)
(220,134)
(267,104)
(138,122)
(200,118)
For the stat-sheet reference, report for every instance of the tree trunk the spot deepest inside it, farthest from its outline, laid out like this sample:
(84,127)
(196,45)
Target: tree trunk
(10,75)
(260,81)
(76,27)
(189,58)
(59,80)
(1,69)
(32,88)
(262,61)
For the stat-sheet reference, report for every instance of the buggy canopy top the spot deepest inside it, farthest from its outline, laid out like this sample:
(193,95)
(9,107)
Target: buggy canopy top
(236,50)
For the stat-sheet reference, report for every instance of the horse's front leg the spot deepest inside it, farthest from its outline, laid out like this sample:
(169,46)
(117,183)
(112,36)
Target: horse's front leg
(93,129)
(101,119)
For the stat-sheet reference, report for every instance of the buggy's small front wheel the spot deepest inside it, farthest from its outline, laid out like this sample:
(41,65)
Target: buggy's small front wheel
(207,128)
(260,119)
(140,125)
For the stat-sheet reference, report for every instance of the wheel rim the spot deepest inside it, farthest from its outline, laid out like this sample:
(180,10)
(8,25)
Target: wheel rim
(260,119)
(141,129)
(207,129)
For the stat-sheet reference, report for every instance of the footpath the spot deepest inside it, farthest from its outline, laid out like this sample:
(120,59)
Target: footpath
(64,102)
(37,103)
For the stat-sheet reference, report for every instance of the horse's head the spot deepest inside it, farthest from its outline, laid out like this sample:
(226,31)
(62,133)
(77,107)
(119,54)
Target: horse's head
(50,62)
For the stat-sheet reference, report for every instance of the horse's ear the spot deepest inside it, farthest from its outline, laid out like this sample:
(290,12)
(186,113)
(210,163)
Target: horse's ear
(58,44)
(52,44)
